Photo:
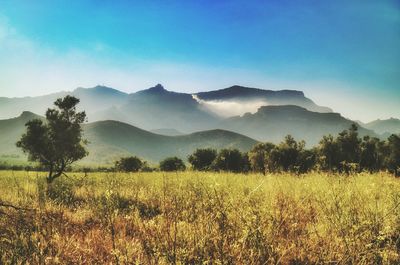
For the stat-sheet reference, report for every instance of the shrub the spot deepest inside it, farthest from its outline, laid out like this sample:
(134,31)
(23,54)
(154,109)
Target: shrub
(129,164)
(202,159)
(172,164)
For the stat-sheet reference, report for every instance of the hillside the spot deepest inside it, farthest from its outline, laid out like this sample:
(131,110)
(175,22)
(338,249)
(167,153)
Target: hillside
(109,140)
(12,107)
(272,123)
(157,107)
(11,130)
(167,131)
(92,100)
(388,126)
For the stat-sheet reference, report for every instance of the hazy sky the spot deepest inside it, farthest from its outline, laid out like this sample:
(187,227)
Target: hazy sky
(342,54)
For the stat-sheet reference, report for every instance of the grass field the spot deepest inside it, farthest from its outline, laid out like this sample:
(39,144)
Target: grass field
(199,218)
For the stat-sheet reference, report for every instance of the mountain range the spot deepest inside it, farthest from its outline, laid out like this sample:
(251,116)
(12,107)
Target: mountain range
(271,123)
(155,123)
(156,107)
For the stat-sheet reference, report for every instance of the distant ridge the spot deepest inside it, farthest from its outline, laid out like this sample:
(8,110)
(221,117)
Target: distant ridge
(279,97)
(388,126)
(273,123)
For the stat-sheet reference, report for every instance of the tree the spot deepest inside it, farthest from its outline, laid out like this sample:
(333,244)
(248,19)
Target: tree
(202,159)
(329,153)
(258,156)
(57,143)
(350,148)
(172,164)
(129,164)
(306,160)
(231,160)
(286,155)
(342,153)
(371,157)
(290,150)
(393,160)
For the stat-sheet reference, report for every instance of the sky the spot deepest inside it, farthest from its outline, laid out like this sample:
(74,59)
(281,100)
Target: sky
(344,54)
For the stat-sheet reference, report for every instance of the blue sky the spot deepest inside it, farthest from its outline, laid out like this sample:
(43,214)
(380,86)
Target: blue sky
(342,54)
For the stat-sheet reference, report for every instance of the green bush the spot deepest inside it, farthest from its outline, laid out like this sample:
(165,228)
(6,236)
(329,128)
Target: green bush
(172,164)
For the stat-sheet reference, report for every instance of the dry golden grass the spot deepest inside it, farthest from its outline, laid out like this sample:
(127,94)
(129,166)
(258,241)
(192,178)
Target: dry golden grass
(200,218)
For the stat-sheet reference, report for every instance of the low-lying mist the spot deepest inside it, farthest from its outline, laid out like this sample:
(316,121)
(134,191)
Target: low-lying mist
(229,108)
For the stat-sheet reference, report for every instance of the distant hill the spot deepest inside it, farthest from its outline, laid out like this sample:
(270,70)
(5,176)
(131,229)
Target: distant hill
(12,107)
(388,126)
(109,140)
(99,98)
(92,100)
(245,94)
(272,123)
(12,129)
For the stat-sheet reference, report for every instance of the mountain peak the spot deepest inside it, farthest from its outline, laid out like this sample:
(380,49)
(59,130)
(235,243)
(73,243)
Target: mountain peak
(27,114)
(98,89)
(157,88)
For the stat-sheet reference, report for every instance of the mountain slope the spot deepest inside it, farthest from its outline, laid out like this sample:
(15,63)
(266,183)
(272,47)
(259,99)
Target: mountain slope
(388,126)
(272,123)
(12,107)
(167,131)
(99,98)
(157,107)
(12,129)
(109,140)
(247,94)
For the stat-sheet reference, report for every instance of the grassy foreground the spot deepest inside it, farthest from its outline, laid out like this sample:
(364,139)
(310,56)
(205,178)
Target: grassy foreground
(200,218)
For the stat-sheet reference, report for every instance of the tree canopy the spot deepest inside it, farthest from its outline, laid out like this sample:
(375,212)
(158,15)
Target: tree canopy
(129,164)
(172,164)
(56,143)
(231,160)
(202,159)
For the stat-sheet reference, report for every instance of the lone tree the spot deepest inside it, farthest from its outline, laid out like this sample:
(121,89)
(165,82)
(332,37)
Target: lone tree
(56,143)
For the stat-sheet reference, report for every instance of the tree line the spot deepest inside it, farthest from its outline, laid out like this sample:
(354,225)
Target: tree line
(345,153)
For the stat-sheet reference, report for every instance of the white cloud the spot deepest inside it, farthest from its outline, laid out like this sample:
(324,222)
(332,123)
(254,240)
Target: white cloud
(229,108)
